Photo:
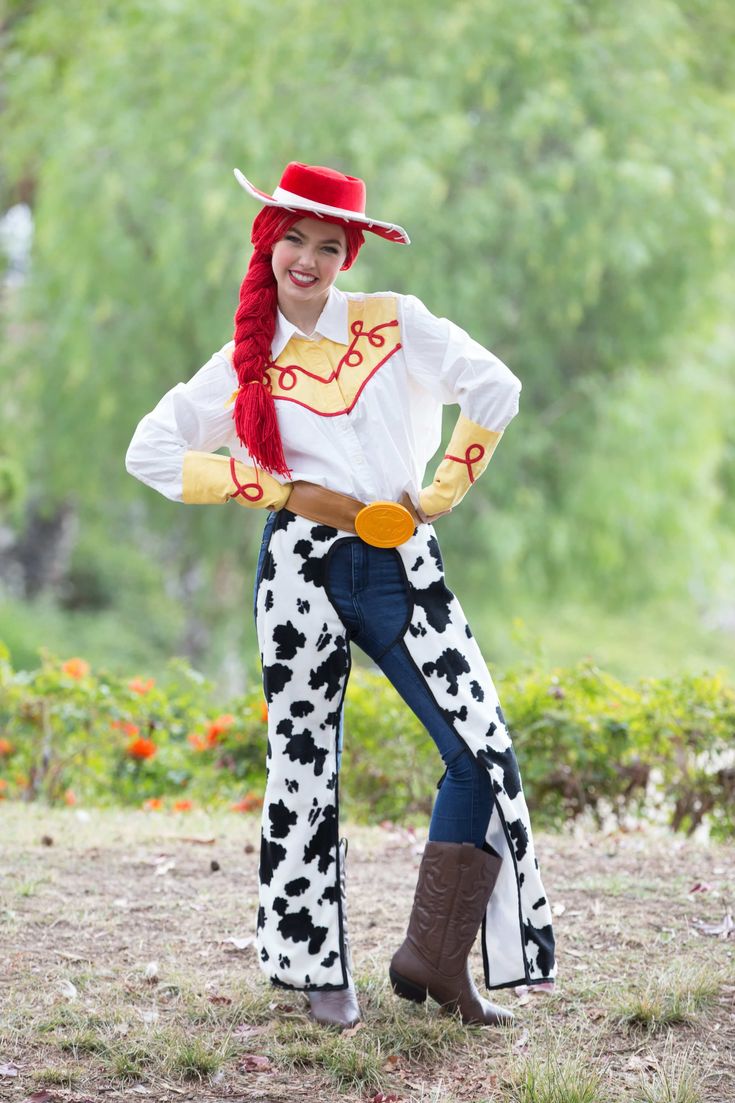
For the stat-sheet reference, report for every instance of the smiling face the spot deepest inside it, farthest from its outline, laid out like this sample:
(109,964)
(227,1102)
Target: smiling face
(306,262)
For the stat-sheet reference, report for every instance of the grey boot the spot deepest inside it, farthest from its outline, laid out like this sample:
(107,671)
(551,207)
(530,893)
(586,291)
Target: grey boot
(339,1008)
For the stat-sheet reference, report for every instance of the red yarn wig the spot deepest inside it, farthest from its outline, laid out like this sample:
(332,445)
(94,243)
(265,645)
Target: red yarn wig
(254,414)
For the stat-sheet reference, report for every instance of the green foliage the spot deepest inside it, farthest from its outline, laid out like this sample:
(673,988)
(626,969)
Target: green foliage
(586,743)
(564,171)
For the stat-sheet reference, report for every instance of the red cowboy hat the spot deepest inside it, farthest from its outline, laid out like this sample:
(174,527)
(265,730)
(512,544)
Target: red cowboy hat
(323,191)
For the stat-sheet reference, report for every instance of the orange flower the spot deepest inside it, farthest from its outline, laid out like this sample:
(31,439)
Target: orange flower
(264,711)
(141,685)
(75,668)
(153,804)
(251,802)
(130,729)
(198,742)
(6,747)
(219,725)
(183,806)
(3,787)
(70,798)
(141,748)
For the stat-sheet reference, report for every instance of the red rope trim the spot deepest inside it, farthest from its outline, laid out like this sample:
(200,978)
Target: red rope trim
(245,487)
(473,454)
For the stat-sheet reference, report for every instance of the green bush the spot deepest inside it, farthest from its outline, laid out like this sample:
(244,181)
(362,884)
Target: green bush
(586,743)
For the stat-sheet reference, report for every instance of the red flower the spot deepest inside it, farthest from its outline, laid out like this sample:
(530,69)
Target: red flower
(6,748)
(153,804)
(141,685)
(251,802)
(218,726)
(75,668)
(141,748)
(70,798)
(198,742)
(183,806)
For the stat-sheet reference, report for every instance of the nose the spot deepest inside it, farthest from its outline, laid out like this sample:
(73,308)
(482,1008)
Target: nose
(307,258)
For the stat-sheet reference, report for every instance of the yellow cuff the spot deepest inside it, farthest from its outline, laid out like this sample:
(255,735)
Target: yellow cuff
(468,454)
(210,479)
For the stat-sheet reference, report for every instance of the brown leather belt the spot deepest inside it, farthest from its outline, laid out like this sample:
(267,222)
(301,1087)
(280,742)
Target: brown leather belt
(382,524)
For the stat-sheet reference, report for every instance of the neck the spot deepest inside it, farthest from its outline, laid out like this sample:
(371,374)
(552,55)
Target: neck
(303,315)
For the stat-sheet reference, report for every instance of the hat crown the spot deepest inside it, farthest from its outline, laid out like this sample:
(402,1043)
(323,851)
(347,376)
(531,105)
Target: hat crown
(324,186)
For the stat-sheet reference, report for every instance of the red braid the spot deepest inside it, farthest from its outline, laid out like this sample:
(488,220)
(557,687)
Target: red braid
(254,414)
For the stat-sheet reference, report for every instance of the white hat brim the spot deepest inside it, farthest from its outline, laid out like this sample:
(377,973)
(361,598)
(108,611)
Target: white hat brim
(291,202)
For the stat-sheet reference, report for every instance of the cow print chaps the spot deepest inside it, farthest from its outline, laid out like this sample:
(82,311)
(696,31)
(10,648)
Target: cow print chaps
(306,662)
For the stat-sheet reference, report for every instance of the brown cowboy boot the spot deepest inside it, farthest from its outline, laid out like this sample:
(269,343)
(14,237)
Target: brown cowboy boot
(454,885)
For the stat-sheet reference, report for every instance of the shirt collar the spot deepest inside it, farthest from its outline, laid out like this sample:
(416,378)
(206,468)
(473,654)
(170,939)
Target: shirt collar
(332,324)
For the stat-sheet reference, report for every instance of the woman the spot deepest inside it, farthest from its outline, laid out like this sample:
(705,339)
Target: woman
(330,407)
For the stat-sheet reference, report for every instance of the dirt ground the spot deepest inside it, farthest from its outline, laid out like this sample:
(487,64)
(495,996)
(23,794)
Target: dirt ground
(122,930)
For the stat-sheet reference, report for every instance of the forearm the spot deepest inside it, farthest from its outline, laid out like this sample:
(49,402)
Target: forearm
(211,479)
(467,455)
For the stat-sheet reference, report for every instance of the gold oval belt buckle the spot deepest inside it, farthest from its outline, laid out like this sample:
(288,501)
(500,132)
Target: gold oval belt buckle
(384,524)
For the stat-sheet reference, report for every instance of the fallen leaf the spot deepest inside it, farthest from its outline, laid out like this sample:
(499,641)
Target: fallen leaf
(197,841)
(75,958)
(640,1064)
(255,1063)
(392,1062)
(220,999)
(10,1069)
(46,840)
(240,943)
(722,930)
(558,909)
(245,1030)
(522,1040)
(68,989)
(700,886)
(41,1097)
(249,848)
(164,867)
(214,865)
(352,1030)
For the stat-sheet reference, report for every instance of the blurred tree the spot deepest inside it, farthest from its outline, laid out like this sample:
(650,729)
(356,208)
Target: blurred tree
(563,168)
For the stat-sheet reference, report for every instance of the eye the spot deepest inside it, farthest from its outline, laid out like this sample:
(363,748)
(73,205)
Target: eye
(294,238)
(331,249)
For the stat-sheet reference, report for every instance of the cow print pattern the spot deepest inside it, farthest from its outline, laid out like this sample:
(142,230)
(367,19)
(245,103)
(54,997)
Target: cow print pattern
(442,647)
(306,662)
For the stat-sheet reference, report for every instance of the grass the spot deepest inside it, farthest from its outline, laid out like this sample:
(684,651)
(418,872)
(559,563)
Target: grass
(672,999)
(638,987)
(558,1078)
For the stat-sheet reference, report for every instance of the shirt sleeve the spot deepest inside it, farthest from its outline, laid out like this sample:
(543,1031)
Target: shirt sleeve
(454,368)
(192,416)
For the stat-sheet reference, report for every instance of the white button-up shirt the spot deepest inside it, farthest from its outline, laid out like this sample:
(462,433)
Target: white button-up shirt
(376,451)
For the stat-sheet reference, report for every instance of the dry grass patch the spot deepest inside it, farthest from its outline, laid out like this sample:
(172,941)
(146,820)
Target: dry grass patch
(127,972)
(671,999)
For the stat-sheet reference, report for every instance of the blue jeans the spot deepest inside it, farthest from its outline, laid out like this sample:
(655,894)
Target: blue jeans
(367,587)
